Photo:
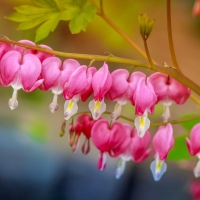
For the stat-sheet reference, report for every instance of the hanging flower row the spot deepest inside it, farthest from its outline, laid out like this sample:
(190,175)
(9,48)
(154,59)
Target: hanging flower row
(29,69)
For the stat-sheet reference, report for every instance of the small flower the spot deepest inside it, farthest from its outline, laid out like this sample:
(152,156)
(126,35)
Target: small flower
(144,100)
(136,148)
(40,54)
(168,90)
(122,89)
(193,146)
(101,83)
(72,90)
(20,71)
(163,141)
(55,75)
(106,138)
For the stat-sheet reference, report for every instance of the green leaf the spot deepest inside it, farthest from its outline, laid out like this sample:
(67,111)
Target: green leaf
(188,125)
(32,23)
(179,151)
(47,13)
(77,24)
(48,26)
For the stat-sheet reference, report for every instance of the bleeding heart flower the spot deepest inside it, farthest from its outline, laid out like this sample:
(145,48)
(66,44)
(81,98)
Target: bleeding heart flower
(106,138)
(122,89)
(136,148)
(193,146)
(163,141)
(168,90)
(101,83)
(20,71)
(55,75)
(144,100)
(41,55)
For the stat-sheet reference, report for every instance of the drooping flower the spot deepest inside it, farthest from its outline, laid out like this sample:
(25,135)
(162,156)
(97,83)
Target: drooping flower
(56,74)
(168,90)
(83,125)
(20,71)
(136,148)
(196,8)
(40,54)
(122,89)
(144,100)
(193,146)
(163,141)
(77,87)
(101,83)
(107,138)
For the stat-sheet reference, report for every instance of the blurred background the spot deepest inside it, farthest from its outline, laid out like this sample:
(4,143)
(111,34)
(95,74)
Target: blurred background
(35,155)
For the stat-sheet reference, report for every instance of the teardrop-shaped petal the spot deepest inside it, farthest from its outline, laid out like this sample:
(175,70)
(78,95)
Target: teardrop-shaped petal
(76,83)
(163,141)
(97,108)
(142,124)
(36,85)
(51,70)
(194,144)
(101,165)
(158,168)
(144,97)
(101,82)
(70,108)
(88,90)
(119,84)
(30,71)
(10,65)
(120,168)
(139,146)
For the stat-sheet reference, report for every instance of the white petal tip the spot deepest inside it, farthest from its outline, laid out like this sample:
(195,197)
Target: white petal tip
(158,168)
(12,104)
(53,107)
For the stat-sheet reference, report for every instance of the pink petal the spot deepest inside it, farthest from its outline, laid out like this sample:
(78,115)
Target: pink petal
(120,149)
(106,138)
(4,48)
(76,84)
(119,84)
(167,88)
(101,165)
(194,139)
(138,146)
(51,70)
(36,85)
(163,141)
(30,71)
(88,90)
(101,82)
(41,55)
(190,150)
(144,97)
(10,64)
(133,82)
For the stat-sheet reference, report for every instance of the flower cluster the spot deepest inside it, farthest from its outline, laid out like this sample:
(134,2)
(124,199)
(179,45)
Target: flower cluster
(29,69)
